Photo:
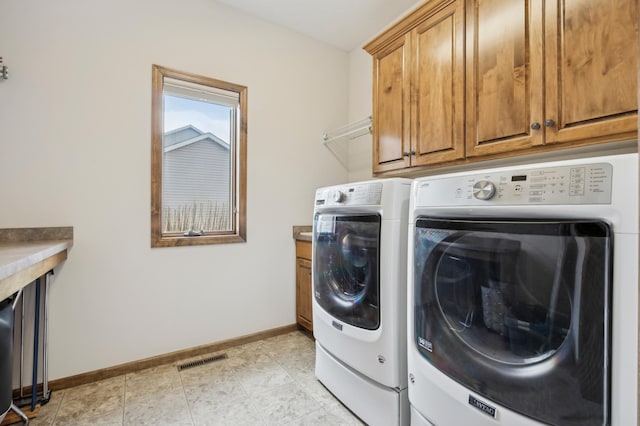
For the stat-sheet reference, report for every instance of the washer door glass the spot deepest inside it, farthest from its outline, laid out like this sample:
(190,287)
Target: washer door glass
(518,312)
(345,267)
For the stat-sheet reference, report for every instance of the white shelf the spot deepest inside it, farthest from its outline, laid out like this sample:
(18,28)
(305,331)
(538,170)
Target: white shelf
(332,140)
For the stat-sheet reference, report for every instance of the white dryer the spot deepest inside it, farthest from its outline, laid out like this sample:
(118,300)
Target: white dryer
(359,287)
(523,295)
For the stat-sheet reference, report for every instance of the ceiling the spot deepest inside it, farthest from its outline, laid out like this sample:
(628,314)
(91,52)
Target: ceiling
(346,24)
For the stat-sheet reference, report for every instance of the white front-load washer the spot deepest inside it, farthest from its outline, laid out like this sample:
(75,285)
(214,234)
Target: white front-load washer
(359,288)
(523,295)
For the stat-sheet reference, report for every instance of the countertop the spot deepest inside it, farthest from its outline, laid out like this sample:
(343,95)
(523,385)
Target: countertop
(28,253)
(302,233)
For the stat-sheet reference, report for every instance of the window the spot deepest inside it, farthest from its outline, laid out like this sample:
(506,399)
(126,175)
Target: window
(198,160)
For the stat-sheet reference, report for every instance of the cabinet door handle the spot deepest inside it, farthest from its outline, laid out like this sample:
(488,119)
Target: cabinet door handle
(405,154)
(549,123)
(535,126)
(412,153)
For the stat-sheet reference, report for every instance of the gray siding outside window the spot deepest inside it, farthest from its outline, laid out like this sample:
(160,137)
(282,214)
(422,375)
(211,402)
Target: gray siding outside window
(196,181)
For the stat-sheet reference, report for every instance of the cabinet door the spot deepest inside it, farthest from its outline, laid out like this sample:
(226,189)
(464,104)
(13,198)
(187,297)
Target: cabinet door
(591,53)
(503,75)
(303,294)
(391,106)
(437,126)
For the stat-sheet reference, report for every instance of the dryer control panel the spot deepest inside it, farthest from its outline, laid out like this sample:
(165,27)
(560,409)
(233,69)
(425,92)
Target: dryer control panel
(350,195)
(575,184)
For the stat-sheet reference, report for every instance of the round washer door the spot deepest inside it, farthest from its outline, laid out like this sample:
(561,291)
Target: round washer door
(346,271)
(518,312)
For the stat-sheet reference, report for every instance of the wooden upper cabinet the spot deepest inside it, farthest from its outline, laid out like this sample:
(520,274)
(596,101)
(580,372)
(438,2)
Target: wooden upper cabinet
(391,94)
(504,75)
(460,81)
(550,72)
(437,131)
(418,89)
(591,53)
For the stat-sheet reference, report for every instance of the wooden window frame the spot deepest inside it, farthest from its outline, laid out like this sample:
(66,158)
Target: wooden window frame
(237,234)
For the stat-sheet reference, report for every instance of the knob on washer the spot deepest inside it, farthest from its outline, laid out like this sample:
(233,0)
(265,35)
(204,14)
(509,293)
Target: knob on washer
(337,196)
(484,190)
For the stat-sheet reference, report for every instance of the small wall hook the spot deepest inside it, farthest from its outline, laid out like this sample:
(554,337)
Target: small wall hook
(4,71)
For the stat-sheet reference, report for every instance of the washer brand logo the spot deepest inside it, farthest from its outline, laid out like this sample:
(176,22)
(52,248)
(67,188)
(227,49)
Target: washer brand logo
(425,344)
(336,325)
(487,409)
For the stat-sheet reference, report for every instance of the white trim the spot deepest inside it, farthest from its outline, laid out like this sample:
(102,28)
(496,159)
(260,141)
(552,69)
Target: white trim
(186,89)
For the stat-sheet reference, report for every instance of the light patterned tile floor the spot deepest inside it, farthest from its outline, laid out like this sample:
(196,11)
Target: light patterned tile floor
(270,382)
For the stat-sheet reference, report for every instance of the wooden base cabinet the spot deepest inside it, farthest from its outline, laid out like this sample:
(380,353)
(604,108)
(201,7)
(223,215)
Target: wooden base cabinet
(304,316)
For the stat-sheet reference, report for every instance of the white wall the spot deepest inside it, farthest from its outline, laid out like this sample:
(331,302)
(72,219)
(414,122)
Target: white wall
(75,131)
(360,106)
(360,156)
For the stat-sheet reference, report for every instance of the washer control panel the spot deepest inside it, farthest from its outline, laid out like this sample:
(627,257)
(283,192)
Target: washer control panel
(350,195)
(579,184)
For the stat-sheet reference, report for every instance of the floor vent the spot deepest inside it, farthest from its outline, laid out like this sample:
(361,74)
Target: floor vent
(203,361)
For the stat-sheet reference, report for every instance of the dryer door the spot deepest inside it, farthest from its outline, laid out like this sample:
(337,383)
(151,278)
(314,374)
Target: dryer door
(518,312)
(345,267)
